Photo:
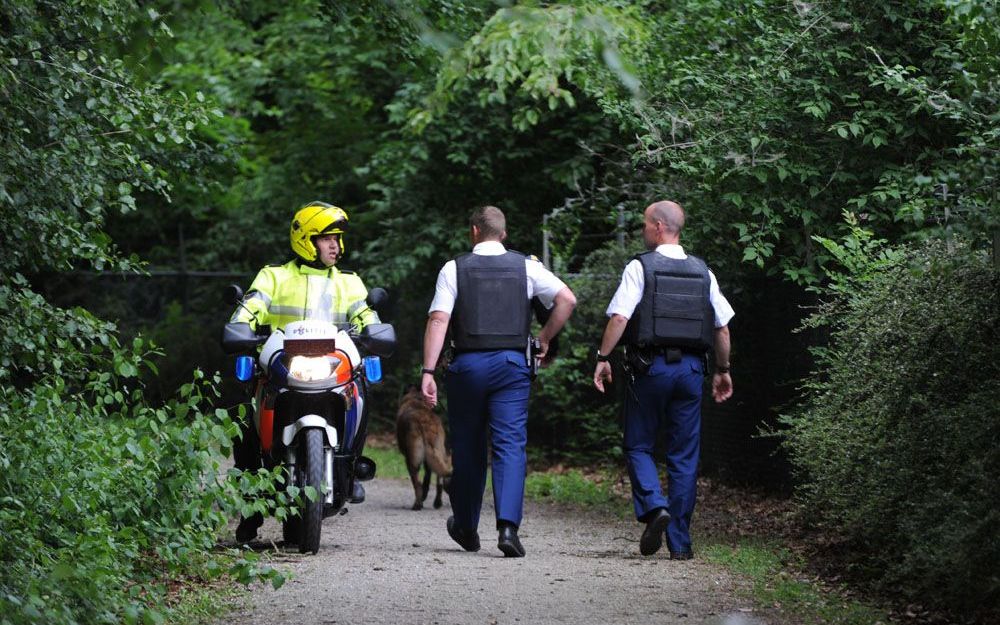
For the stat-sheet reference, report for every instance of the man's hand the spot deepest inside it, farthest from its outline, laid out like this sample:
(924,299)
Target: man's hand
(602,372)
(722,387)
(612,334)
(722,384)
(562,308)
(430,390)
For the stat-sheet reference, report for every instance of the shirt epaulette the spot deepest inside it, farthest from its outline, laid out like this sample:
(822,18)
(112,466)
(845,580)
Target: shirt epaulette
(534,258)
(347,271)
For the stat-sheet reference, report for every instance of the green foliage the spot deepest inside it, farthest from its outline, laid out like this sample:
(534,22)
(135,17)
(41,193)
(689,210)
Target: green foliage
(895,441)
(861,257)
(104,497)
(571,487)
(771,570)
(565,406)
(186,133)
(304,87)
(390,462)
(81,138)
(768,119)
(539,54)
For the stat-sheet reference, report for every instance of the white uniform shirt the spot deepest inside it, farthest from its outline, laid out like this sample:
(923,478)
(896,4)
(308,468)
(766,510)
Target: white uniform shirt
(542,283)
(629,292)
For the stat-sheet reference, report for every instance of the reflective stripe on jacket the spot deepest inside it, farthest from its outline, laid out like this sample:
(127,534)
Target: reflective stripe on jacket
(281,294)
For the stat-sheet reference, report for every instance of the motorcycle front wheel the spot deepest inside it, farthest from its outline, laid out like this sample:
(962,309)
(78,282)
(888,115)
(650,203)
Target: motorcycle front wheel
(311,463)
(290,527)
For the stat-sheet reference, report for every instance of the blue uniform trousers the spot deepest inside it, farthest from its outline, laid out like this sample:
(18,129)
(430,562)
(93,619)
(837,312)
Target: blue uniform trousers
(671,391)
(488,391)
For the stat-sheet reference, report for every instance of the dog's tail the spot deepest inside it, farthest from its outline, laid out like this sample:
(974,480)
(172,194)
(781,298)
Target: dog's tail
(435,454)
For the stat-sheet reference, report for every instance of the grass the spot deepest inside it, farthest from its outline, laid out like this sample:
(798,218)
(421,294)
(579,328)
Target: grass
(198,605)
(389,462)
(573,487)
(567,487)
(770,569)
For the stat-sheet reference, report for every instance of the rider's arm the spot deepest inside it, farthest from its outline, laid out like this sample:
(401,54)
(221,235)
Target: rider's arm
(356,293)
(257,300)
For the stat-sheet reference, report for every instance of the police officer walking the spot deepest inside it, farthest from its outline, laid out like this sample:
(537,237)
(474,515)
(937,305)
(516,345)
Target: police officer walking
(670,312)
(486,296)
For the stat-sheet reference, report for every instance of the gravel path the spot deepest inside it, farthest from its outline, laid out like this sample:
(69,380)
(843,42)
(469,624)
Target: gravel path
(384,563)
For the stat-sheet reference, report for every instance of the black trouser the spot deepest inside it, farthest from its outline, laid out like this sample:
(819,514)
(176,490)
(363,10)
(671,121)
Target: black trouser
(246,445)
(246,457)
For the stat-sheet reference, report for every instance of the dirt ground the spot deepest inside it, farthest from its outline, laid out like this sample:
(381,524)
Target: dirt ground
(384,563)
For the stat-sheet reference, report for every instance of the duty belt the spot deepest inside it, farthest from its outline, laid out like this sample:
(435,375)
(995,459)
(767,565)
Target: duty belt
(669,353)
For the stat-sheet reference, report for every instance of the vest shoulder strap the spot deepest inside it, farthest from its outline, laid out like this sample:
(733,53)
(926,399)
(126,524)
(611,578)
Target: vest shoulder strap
(640,256)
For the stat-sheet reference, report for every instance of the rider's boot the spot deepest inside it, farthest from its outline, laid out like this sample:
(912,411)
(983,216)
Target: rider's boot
(247,529)
(358,493)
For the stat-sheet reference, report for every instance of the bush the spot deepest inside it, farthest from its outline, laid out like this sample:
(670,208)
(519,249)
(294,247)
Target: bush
(896,442)
(104,498)
(568,417)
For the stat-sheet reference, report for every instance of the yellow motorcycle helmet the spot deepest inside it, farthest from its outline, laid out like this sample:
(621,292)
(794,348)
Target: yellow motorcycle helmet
(312,220)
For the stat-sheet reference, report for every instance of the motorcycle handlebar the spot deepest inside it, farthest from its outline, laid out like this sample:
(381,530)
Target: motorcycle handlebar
(375,338)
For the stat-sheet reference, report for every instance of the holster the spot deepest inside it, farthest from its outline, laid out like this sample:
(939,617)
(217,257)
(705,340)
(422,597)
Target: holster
(531,355)
(637,360)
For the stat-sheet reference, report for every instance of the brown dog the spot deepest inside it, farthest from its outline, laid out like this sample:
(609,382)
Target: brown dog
(420,436)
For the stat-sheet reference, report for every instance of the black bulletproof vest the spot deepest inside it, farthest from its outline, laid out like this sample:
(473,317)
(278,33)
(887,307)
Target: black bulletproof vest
(492,309)
(675,309)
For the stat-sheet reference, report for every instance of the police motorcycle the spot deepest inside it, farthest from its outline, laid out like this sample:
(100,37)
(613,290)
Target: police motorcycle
(310,404)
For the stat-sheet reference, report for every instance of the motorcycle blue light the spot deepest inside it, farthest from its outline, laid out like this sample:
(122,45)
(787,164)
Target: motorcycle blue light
(373,368)
(244,368)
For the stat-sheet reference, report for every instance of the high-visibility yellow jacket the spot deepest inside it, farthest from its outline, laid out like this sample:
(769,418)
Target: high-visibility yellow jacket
(281,294)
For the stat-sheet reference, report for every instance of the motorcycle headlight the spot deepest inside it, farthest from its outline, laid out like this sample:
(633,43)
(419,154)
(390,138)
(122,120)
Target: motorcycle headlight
(310,368)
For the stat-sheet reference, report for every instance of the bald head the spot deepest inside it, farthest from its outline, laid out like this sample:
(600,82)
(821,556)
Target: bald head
(670,214)
(662,223)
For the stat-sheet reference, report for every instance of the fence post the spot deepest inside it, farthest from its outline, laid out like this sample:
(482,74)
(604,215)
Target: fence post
(546,260)
(185,283)
(621,226)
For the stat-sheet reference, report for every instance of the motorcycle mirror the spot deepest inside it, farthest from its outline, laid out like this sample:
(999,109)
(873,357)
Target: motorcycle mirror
(234,293)
(376,298)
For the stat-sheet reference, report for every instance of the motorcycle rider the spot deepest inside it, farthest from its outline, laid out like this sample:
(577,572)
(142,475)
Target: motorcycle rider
(278,296)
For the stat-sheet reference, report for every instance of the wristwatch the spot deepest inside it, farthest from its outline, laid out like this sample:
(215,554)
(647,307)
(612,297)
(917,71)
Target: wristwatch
(601,357)
(722,368)
(426,370)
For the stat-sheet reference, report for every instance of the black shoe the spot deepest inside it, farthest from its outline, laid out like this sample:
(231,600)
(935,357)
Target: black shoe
(468,539)
(652,536)
(509,543)
(247,529)
(358,494)
(681,555)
